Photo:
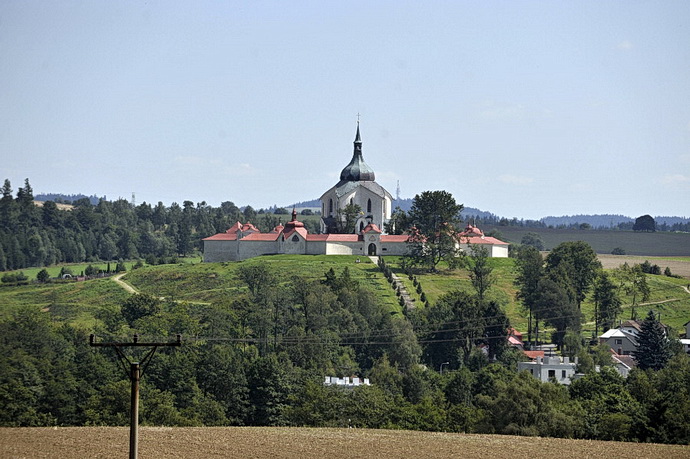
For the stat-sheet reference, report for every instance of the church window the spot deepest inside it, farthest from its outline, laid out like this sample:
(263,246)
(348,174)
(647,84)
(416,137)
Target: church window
(361,226)
(295,238)
(369,206)
(352,201)
(330,206)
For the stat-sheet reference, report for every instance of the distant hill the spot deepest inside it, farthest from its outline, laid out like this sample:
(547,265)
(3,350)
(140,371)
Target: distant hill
(67,198)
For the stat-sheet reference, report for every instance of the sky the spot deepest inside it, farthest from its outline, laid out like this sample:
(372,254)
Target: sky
(524,109)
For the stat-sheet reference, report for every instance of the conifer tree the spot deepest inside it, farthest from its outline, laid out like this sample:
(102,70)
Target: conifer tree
(653,347)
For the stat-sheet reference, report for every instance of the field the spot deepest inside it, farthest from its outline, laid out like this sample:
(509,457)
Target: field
(280,442)
(604,241)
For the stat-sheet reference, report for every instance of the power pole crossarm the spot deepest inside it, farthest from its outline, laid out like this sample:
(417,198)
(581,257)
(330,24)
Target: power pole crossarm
(135,371)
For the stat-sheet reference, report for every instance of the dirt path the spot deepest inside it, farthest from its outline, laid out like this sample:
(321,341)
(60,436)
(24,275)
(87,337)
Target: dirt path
(118,280)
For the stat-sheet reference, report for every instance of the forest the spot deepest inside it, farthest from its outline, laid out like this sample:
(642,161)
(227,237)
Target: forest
(111,230)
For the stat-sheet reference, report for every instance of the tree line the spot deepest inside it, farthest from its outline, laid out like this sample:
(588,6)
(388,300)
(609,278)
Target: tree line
(111,230)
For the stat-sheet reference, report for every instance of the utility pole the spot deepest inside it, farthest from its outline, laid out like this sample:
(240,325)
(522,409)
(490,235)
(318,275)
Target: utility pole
(135,372)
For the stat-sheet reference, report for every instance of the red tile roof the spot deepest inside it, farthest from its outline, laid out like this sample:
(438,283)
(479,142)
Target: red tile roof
(261,237)
(533,354)
(222,237)
(371,227)
(394,237)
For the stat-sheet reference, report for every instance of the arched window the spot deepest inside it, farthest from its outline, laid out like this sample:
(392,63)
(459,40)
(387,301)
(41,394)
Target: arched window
(330,207)
(295,238)
(361,226)
(352,201)
(369,206)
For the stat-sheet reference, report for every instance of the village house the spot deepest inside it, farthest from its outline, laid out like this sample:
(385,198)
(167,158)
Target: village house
(551,368)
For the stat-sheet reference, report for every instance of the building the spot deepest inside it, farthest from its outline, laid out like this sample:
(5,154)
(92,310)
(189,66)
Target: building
(473,236)
(357,185)
(345,382)
(550,368)
(622,340)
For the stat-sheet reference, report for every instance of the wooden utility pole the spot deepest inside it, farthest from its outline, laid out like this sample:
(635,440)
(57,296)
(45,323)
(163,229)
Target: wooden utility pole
(135,372)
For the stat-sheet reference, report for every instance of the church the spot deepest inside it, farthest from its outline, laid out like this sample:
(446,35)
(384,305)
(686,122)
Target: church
(356,190)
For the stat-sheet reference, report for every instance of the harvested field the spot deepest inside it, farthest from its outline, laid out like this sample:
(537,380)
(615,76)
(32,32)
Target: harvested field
(274,442)
(678,266)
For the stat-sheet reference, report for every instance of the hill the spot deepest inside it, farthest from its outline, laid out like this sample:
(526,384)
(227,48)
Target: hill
(295,442)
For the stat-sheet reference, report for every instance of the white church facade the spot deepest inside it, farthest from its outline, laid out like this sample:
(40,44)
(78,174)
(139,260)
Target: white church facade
(357,186)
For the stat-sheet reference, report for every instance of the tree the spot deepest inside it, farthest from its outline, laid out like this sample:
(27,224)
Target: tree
(346,220)
(480,270)
(607,304)
(556,307)
(433,219)
(579,262)
(530,266)
(533,240)
(43,276)
(645,223)
(653,347)
(399,222)
(140,305)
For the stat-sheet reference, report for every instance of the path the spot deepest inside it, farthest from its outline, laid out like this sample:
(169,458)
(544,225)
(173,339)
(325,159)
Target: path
(118,280)
(409,302)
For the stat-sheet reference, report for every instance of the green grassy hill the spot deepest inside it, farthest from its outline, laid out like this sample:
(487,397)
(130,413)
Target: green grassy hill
(203,283)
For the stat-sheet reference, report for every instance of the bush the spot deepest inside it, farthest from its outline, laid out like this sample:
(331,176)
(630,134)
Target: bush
(618,251)
(10,278)
(43,276)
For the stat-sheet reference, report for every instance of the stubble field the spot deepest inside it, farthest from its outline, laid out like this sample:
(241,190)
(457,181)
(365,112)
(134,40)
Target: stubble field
(293,443)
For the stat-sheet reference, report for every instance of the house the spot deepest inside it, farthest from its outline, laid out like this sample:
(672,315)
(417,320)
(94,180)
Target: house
(623,363)
(551,368)
(345,382)
(473,236)
(623,340)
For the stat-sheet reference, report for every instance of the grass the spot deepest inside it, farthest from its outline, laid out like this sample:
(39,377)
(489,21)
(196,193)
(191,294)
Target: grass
(79,302)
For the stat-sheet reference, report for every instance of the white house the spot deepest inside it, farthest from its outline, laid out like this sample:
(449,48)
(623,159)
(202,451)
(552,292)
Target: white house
(549,368)
(622,340)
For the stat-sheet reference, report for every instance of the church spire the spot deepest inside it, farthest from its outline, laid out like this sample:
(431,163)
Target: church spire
(357,170)
(358,141)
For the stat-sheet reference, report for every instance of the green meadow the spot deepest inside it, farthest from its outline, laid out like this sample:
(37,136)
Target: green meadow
(88,302)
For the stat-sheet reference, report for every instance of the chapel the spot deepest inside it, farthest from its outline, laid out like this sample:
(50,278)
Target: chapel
(357,186)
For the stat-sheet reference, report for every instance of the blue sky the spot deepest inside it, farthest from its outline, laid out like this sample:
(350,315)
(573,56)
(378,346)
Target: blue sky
(523,109)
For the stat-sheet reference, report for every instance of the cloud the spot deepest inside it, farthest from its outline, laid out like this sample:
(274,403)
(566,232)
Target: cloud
(625,45)
(675,179)
(493,111)
(213,166)
(515,179)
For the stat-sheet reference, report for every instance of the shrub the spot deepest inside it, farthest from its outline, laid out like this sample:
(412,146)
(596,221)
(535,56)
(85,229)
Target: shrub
(618,251)
(43,276)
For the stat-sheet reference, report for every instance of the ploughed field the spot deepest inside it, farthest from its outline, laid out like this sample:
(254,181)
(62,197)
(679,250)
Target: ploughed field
(292,442)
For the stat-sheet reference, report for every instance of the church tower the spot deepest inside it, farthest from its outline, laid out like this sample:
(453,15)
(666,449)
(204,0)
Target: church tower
(357,186)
